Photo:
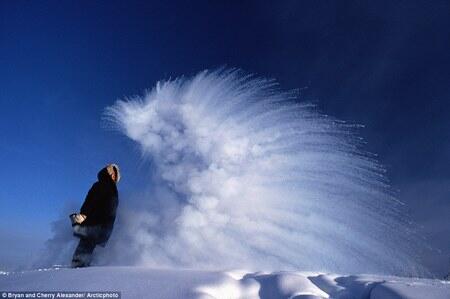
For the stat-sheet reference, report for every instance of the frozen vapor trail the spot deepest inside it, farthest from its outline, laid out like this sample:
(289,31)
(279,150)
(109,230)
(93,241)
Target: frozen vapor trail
(249,176)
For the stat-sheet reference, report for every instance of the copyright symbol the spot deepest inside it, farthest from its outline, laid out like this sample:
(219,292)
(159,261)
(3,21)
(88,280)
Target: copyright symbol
(4,295)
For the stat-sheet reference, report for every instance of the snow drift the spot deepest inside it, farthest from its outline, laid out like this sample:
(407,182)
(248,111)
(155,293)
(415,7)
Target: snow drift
(140,282)
(247,175)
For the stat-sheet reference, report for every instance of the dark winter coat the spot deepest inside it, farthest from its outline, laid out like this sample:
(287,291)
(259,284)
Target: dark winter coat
(100,206)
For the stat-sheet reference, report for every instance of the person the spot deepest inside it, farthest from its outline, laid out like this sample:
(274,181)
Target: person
(94,223)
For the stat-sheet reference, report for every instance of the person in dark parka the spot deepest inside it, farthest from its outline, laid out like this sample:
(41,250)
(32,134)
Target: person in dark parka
(95,222)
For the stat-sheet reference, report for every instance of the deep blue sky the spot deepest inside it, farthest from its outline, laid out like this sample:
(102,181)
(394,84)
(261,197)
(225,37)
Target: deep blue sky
(384,64)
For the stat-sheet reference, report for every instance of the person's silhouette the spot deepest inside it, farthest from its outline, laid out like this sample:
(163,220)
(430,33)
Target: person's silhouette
(94,224)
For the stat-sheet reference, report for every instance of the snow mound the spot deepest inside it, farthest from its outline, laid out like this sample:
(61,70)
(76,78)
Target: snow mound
(140,282)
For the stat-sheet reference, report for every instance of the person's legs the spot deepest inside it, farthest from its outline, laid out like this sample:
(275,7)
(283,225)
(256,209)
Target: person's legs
(83,253)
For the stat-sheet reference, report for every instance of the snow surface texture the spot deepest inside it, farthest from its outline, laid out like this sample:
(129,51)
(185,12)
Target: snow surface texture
(139,282)
(246,175)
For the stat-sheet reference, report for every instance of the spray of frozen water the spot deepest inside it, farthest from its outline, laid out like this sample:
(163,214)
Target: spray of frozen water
(246,175)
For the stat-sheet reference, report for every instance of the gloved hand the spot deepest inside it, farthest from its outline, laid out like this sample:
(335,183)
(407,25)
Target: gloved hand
(77,218)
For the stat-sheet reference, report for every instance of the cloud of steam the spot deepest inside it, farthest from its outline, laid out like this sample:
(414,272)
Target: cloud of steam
(248,176)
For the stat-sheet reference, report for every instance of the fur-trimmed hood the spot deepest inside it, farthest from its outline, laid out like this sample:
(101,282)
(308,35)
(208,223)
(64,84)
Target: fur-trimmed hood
(104,173)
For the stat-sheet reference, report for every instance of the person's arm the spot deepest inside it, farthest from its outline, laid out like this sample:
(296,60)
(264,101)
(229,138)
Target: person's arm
(88,205)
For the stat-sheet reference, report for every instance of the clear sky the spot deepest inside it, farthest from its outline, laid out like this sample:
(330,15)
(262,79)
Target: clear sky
(382,64)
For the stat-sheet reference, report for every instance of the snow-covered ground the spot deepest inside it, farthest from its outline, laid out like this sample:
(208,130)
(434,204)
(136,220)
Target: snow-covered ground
(140,282)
